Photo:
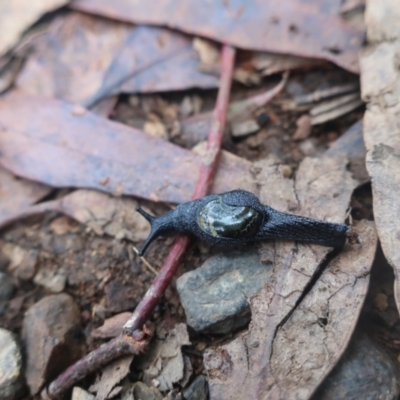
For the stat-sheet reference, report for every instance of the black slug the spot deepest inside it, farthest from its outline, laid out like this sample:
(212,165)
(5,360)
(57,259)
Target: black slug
(237,217)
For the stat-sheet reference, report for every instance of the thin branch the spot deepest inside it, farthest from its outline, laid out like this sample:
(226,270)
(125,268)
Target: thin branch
(116,348)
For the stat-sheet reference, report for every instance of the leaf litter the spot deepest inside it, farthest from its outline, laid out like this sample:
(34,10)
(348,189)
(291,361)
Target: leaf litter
(99,58)
(303,319)
(380,82)
(263,26)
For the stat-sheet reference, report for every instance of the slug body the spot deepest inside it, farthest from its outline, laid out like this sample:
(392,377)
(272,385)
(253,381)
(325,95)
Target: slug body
(238,217)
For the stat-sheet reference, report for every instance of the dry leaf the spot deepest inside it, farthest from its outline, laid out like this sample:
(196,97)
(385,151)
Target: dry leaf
(93,152)
(316,31)
(296,336)
(380,82)
(164,362)
(100,57)
(111,375)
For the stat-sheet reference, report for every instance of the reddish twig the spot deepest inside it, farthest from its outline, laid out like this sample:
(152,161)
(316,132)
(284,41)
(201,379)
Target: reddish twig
(116,348)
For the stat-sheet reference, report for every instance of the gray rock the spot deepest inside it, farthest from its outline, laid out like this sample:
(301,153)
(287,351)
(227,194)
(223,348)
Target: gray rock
(215,296)
(197,390)
(11,377)
(365,371)
(6,291)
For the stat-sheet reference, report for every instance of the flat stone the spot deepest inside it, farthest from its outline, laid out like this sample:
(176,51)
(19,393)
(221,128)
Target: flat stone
(365,371)
(6,291)
(197,390)
(11,377)
(52,337)
(143,392)
(215,296)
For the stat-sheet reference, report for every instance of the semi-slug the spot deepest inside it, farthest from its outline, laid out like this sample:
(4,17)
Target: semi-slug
(237,217)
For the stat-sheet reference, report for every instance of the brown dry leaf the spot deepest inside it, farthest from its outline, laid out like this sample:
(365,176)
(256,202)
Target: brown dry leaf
(112,326)
(297,27)
(64,150)
(380,81)
(17,15)
(296,337)
(151,59)
(18,194)
(164,361)
(111,375)
(70,60)
(83,59)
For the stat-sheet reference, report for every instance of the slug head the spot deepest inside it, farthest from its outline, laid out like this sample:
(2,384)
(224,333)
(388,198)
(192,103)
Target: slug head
(159,226)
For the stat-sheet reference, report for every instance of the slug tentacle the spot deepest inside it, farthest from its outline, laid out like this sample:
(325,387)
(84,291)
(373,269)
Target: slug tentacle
(162,225)
(237,217)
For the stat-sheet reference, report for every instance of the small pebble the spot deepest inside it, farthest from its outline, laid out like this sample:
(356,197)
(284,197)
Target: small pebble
(52,280)
(11,375)
(52,338)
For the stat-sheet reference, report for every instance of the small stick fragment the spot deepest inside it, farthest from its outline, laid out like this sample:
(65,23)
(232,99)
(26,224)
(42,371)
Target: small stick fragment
(145,262)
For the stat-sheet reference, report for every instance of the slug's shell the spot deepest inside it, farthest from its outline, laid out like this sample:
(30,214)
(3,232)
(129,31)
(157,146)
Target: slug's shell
(222,220)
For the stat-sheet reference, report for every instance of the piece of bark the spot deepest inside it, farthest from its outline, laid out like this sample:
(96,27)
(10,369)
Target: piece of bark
(299,326)
(63,150)
(316,31)
(380,82)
